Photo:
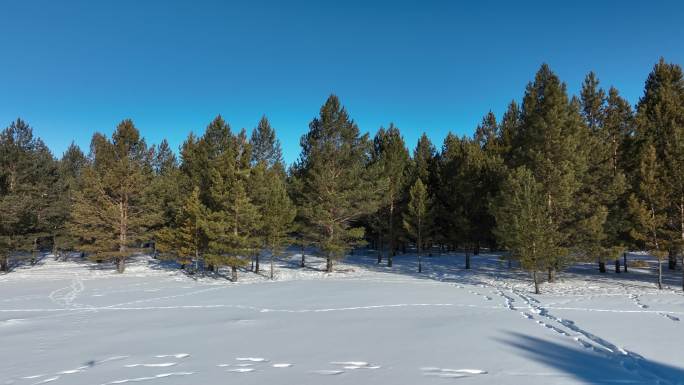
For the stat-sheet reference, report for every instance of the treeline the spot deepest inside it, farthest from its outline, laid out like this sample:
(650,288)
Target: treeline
(556,180)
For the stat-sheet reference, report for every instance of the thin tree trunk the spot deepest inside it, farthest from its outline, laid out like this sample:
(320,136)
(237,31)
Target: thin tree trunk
(120,265)
(602,267)
(467,258)
(624,256)
(256,266)
(379,248)
(233,273)
(551,275)
(671,260)
(617,266)
(271,266)
(660,275)
(536,281)
(4,263)
(303,263)
(329,265)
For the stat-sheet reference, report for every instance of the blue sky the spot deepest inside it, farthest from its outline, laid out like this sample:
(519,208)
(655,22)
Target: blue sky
(71,68)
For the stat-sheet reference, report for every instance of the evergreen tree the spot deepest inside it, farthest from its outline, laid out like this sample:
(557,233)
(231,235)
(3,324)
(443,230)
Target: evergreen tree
(487,135)
(550,144)
(278,213)
(28,176)
(604,184)
(109,216)
(660,121)
(522,224)
(265,144)
(509,134)
(188,240)
(392,158)
(70,168)
(337,184)
(417,220)
(233,221)
(648,209)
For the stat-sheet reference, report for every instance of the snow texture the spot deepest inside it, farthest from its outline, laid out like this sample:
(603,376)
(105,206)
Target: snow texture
(81,323)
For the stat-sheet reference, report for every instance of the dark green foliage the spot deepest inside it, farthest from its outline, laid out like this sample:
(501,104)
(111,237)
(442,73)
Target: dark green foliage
(522,223)
(392,159)
(109,214)
(418,218)
(28,180)
(336,182)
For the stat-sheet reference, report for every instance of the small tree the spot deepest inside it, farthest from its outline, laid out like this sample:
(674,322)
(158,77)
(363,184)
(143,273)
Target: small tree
(522,223)
(417,221)
(189,239)
(278,212)
(648,208)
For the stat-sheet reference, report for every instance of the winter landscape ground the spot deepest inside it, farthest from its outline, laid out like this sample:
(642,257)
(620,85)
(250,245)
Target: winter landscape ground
(79,323)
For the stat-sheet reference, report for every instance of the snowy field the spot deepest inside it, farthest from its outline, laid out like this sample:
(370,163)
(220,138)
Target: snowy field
(80,323)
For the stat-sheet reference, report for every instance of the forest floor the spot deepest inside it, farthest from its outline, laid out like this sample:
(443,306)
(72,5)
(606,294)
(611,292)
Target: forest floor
(80,323)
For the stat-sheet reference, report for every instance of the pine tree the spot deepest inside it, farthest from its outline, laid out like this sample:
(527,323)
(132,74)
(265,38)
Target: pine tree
(233,221)
(336,182)
(70,168)
(648,209)
(602,234)
(550,144)
(109,216)
(510,134)
(28,176)
(188,240)
(660,121)
(417,218)
(392,158)
(265,144)
(278,212)
(522,223)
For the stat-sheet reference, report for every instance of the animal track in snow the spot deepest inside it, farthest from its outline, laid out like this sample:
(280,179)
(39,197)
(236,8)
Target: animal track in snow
(669,316)
(251,359)
(179,355)
(159,365)
(450,373)
(328,372)
(241,370)
(139,379)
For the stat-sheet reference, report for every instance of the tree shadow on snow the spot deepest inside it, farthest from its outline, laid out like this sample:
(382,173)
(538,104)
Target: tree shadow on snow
(595,367)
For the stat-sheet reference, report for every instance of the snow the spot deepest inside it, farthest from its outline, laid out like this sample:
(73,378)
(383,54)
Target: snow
(80,323)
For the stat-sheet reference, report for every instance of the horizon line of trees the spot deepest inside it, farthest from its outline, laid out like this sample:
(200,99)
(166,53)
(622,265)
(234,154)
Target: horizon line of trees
(555,180)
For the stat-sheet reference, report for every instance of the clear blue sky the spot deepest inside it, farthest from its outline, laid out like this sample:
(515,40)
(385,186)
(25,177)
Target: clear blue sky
(71,68)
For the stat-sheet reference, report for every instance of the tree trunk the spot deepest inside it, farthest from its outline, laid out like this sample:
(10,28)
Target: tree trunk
(602,267)
(536,282)
(303,258)
(389,259)
(671,260)
(120,265)
(256,266)
(617,266)
(4,263)
(233,273)
(271,266)
(329,265)
(379,249)
(660,275)
(551,275)
(467,258)
(624,256)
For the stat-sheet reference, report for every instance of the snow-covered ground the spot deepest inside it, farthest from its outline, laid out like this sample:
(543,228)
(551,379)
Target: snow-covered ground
(80,323)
